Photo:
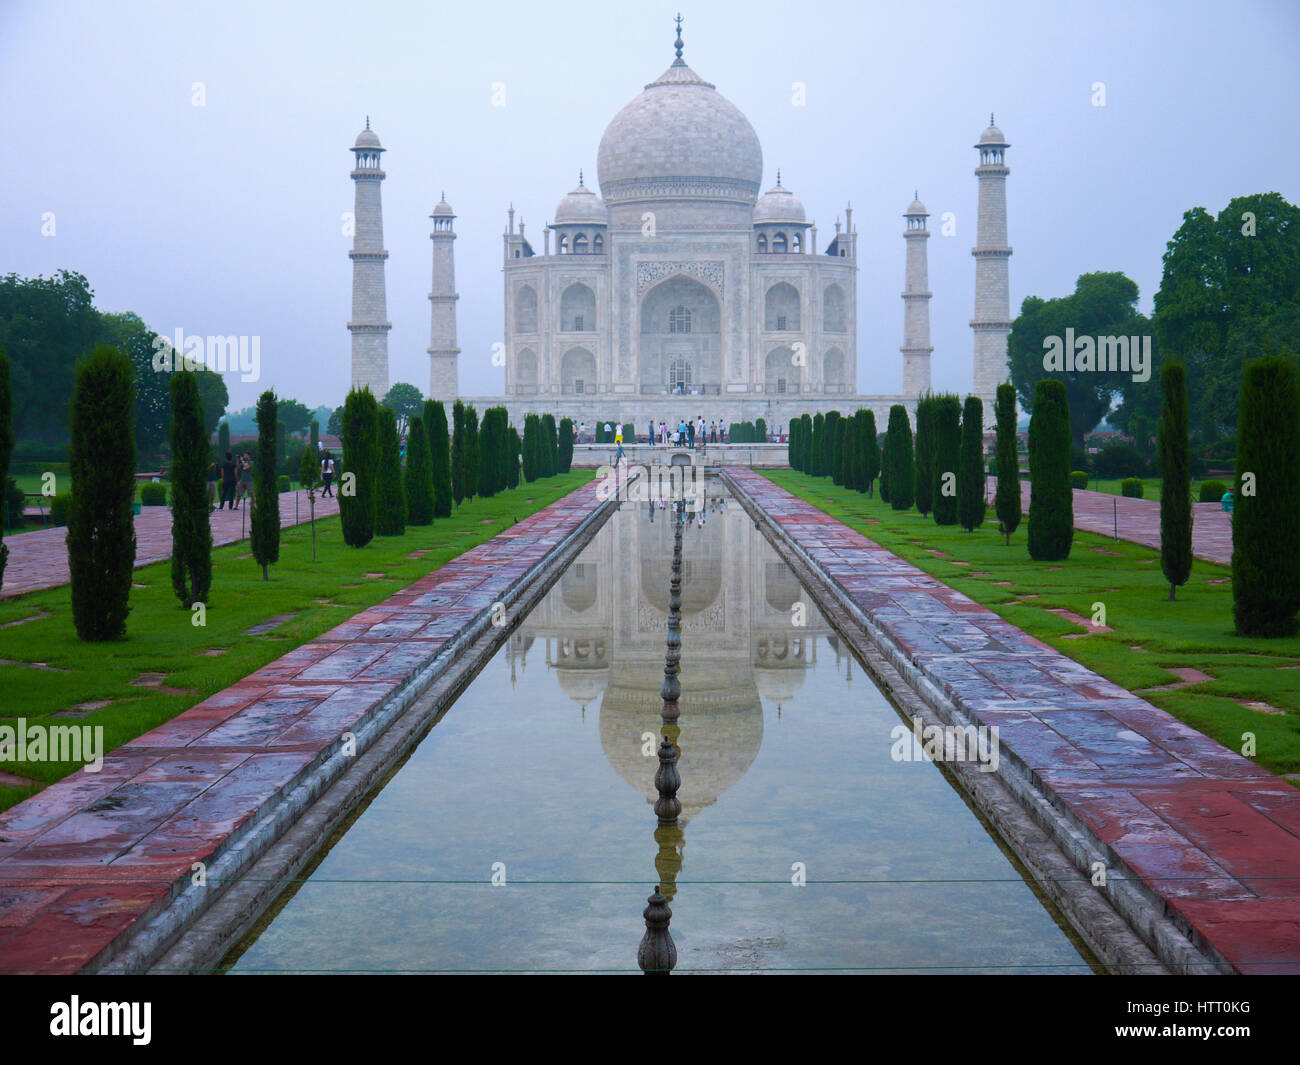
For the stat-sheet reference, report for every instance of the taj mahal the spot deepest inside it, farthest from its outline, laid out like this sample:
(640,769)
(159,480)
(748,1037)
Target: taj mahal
(682,289)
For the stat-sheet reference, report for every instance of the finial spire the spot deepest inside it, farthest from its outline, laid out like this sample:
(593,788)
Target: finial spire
(444,197)
(678,43)
(916,194)
(991,122)
(367,121)
(580,185)
(778,177)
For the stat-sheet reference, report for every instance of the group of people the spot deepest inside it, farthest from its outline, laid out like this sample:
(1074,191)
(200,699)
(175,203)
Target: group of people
(689,433)
(230,482)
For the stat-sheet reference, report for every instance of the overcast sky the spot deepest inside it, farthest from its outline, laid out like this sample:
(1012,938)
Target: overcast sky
(225,218)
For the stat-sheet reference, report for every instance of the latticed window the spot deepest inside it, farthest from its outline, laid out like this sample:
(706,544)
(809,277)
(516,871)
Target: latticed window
(679,320)
(579,386)
(679,373)
(578,327)
(780,323)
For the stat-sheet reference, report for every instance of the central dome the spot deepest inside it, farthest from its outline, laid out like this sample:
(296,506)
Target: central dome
(680,139)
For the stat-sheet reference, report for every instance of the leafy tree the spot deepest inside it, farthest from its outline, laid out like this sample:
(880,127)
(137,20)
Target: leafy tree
(435,422)
(459,460)
(335,425)
(971,483)
(946,427)
(309,477)
(925,454)
(406,402)
(1176,479)
(191,458)
(390,499)
(565,463)
(6,451)
(1102,304)
(357,494)
(265,522)
(101,526)
(419,474)
(901,461)
(1266,508)
(294,416)
(1051,499)
(871,451)
(550,445)
(1007,500)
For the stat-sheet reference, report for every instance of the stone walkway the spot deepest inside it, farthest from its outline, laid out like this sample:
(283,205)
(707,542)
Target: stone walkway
(1213,836)
(83,859)
(39,559)
(1138,520)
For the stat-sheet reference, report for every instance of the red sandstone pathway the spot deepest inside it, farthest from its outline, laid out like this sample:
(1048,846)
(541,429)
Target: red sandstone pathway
(86,857)
(1214,836)
(1138,520)
(39,559)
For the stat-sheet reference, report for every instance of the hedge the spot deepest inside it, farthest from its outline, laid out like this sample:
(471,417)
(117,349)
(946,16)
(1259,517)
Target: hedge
(1212,491)
(1131,487)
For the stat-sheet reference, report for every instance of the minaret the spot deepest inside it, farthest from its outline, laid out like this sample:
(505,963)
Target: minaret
(443,380)
(992,321)
(369,325)
(916,347)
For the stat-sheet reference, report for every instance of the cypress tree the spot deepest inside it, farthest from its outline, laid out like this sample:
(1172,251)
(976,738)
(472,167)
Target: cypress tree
(1007,501)
(264,524)
(532,430)
(837,452)
(550,445)
(101,527)
(871,451)
(191,457)
(390,496)
(1175,478)
(925,454)
(566,446)
(435,424)
(6,451)
(860,430)
(946,428)
(805,442)
(760,431)
(818,444)
(487,458)
(886,468)
(971,484)
(357,488)
(1051,500)
(828,449)
(459,440)
(901,460)
(504,449)
(850,461)
(223,438)
(472,448)
(792,445)
(315,436)
(419,474)
(516,452)
(1266,493)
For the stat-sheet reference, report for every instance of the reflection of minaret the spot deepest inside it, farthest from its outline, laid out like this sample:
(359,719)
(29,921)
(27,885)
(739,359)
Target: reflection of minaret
(369,325)
(992,321)
(916,347)
(443,381)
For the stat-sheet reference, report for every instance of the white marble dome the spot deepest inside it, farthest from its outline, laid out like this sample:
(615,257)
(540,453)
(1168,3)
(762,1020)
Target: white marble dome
(582,207)
(779,204)
(367,138)
(680,137)
(992,136)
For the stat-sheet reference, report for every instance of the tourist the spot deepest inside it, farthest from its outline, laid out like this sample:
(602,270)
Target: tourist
(245,479)
(228,481)
(713,432)
(214,479)
(327,473)
(699,432)
(650,436)
(618,440)
(690,434)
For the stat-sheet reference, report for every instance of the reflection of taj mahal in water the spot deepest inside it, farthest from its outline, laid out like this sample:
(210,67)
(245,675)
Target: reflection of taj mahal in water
(601,630)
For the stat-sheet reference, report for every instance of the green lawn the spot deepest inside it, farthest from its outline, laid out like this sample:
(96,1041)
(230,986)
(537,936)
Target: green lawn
(1150,486)
(192,663)
(1150,633)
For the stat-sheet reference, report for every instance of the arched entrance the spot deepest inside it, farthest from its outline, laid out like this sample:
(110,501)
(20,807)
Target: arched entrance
(680,339)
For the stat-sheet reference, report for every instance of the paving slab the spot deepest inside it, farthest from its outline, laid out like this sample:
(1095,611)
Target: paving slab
(84,859)
(1213,836)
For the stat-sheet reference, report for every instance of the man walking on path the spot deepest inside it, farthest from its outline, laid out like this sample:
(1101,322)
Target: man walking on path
(327,474)
(245,489)
(228,481)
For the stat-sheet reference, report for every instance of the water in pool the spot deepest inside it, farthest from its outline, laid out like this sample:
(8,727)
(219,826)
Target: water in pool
(540,778)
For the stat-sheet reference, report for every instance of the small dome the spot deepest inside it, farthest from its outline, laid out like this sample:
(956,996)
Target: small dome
(443,210)
(992,137)
(581,206)
(367,138)
(779,204)
(916,207)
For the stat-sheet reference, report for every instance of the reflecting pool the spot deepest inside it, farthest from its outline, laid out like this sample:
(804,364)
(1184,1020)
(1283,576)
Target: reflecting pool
(540,778)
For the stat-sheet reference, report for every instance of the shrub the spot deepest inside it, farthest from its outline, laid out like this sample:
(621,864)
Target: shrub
(1051,503)
(282,481)
(60,504)
(155,495)
(390,496)
(1176,487)
(101,525)
(16,500)
(1007,500)
(947,458)
(1119,458)
(191,457)
(760,431)
(900,458)
(1212,491)
(360,442)
(970,481)
(1079,479)
(419,474)
(264,527)
(1266,507)
(1131,487)
(435,424)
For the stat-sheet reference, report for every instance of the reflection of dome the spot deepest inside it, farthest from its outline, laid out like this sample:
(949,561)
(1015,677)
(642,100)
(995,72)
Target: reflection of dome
(583,685)
(779,204)
(680,138)
(779,685)
(580,207)
(580,587)
(721,729)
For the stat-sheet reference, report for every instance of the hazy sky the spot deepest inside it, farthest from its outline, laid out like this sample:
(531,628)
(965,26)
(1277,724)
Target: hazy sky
(225,218)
